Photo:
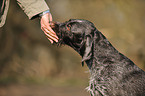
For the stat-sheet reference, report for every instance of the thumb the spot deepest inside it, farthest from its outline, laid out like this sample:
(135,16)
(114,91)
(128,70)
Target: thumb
(50,17)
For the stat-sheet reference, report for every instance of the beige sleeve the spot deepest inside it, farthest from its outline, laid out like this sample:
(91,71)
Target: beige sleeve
(3,12)
(33,7)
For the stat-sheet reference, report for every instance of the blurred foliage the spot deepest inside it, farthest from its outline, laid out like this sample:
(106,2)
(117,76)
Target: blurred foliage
(27,56)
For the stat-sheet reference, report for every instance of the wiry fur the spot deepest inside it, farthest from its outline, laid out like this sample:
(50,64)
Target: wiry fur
(112,74)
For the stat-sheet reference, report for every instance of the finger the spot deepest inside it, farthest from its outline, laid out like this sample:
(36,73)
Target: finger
(47,26)
(47,33)
(50,40)
(48,37)
(50,33)
(50,29)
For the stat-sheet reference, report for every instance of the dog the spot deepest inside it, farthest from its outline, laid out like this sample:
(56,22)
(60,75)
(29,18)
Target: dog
(112,73)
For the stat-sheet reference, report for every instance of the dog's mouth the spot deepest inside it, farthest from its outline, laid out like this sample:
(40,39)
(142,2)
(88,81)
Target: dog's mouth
(56,28)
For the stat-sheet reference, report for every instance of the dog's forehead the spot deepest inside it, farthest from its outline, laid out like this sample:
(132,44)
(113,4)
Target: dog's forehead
(78,26)
(80,21)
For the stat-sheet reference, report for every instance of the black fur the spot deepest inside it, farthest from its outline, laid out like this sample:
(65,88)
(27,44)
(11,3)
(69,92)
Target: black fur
(112,74)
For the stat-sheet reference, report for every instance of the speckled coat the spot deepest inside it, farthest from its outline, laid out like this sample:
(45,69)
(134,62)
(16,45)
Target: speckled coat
(31,7)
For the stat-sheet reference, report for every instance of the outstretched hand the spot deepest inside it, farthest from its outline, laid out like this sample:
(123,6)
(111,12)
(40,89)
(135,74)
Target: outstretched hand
(45,26)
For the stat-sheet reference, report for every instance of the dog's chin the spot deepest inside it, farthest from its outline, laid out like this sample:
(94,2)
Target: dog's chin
(60,42)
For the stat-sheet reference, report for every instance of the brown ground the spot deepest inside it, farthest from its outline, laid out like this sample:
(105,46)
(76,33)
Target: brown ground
(42,90)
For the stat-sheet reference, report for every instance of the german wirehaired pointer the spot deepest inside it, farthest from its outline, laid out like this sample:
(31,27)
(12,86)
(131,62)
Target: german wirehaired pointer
(112,73)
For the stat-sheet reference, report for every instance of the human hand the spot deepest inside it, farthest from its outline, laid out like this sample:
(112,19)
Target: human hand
(45,27)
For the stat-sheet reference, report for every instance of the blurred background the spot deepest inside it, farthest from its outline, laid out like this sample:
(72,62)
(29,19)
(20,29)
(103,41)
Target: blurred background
(31,66)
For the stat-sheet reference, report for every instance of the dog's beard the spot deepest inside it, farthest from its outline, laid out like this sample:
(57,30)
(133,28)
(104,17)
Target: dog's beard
(60,42)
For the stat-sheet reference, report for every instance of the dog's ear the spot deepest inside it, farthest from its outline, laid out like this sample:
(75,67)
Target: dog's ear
(87,48)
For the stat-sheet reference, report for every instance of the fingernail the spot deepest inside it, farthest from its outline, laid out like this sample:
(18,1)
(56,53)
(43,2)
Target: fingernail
(51,42)
(56,40)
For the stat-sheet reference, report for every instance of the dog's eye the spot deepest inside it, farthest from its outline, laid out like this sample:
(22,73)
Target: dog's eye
(68,27)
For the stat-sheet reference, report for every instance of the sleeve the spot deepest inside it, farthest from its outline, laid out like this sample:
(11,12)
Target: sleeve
(4,5)
(33,7)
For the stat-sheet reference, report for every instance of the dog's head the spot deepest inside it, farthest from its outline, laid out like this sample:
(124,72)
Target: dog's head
(78,34)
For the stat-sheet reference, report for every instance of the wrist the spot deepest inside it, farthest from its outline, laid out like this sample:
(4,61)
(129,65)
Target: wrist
(43,13)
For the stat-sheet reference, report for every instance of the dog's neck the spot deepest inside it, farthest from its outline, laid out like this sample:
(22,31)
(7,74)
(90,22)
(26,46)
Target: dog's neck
(101,56)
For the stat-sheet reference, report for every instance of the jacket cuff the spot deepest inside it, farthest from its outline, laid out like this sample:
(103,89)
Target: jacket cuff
(43,13)
(33,9)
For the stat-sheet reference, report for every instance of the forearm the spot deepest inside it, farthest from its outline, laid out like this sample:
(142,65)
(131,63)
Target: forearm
(33,7)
